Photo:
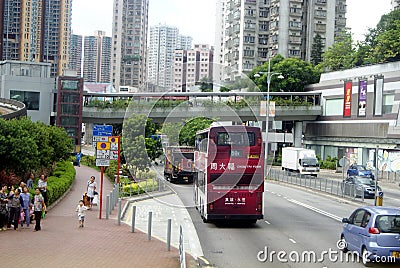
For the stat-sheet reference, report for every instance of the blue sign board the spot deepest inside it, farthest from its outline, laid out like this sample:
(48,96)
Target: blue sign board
(102,130)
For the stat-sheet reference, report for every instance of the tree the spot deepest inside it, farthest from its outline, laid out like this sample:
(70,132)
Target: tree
(191,127)
(206,84)
(317,50)
(172,130)
(27,146)
(342,55)
(134,143)
(297,73)
(383,42)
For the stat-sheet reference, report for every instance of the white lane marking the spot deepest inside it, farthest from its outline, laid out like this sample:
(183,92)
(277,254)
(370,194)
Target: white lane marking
(292,240)
(320,211)
(267,222)
(279,195)
(272,192)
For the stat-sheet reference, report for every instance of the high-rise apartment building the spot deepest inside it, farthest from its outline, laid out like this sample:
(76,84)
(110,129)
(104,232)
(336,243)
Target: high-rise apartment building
(97,58)
(129,43)
(164,40)
(250,31)
(191,66)
(75,54)
(34,30)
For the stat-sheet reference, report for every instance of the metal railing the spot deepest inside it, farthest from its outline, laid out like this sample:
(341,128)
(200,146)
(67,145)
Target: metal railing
(330,186)
(134,188)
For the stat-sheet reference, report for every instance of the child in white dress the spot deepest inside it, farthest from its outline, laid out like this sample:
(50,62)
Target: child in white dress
(81,213)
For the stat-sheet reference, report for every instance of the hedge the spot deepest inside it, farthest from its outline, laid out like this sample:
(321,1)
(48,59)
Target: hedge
(144,186)
(59,182)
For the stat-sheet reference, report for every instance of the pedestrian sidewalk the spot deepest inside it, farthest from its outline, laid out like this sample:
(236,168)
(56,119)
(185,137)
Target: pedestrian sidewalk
(101,243)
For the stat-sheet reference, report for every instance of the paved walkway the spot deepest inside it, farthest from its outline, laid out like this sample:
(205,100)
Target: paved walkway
(101,243)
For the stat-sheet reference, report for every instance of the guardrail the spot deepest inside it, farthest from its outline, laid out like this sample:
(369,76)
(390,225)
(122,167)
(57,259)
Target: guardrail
(333,187)
(129,189)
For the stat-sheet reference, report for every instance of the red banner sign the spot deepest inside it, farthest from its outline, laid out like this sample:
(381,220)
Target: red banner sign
(347,98)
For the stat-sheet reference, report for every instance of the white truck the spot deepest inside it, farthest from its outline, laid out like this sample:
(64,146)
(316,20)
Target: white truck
(300,160)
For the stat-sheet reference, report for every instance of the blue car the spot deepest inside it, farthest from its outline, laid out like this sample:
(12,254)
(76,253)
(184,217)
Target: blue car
(359,170)
(373,233)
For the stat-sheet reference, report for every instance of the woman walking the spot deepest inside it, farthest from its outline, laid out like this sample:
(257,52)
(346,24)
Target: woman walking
(15,203)
(38,205)
(26,204)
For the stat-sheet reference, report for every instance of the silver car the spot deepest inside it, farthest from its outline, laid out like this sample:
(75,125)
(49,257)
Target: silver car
(373,233)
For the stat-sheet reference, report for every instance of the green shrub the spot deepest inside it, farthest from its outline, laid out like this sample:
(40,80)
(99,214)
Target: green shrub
(144,186)
(58,182)
(328,163)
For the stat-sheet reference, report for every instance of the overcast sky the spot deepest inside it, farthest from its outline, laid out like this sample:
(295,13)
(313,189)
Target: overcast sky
(197,17)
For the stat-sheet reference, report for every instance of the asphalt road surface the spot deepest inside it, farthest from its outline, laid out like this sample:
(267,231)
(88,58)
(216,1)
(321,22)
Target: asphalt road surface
(297,222)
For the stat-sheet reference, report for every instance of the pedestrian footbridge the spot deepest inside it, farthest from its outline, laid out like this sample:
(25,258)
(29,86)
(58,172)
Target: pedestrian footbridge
(112,108)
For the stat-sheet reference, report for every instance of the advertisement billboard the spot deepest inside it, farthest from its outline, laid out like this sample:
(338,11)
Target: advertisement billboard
(347,98)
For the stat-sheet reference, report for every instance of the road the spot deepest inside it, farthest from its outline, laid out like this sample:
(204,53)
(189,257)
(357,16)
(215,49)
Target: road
(295,221)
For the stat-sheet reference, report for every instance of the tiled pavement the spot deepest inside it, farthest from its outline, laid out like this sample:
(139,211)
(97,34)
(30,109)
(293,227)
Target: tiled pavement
(101,243)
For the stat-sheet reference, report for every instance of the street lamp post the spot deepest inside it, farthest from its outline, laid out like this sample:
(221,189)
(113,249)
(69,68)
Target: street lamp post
(269,75)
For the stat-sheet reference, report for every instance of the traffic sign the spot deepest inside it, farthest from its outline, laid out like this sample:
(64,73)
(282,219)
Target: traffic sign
(103,154)
(100,138)
(103,146)
(113,155)
(102,130)
(102,162)
(107,128)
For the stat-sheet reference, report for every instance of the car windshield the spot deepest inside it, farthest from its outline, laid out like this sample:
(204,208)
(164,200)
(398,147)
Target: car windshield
(366,181)
(388,223)
(309,161)
(361,167)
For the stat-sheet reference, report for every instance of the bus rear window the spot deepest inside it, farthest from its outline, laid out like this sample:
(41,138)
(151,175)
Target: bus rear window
(236,138)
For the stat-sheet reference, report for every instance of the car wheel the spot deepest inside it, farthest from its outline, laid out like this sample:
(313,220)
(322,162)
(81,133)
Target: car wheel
(342,244)
(365,257)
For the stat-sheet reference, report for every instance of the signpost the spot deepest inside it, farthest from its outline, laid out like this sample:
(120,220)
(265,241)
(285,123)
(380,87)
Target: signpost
(107,149)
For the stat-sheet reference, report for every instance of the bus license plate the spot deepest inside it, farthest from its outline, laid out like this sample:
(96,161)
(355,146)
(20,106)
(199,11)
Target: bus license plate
(396,254)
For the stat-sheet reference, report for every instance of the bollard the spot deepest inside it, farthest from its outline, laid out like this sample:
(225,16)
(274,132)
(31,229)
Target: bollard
(149,226)
(111,201)
(117,192)
(114,197)
(133,218)
(107,206)
(169,235)
(119,211)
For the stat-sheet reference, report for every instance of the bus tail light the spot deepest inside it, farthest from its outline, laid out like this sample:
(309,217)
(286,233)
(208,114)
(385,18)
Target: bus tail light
(211,206)
(179,167)
(259,202)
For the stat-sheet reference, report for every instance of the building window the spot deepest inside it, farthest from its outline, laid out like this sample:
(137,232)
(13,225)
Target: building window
(30,99)
(333,107)
(249,39)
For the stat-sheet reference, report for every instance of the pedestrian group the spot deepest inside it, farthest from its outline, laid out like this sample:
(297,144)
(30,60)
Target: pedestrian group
(18,208)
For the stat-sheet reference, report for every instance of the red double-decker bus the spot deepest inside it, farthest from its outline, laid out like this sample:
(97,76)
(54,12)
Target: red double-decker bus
(229,173)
